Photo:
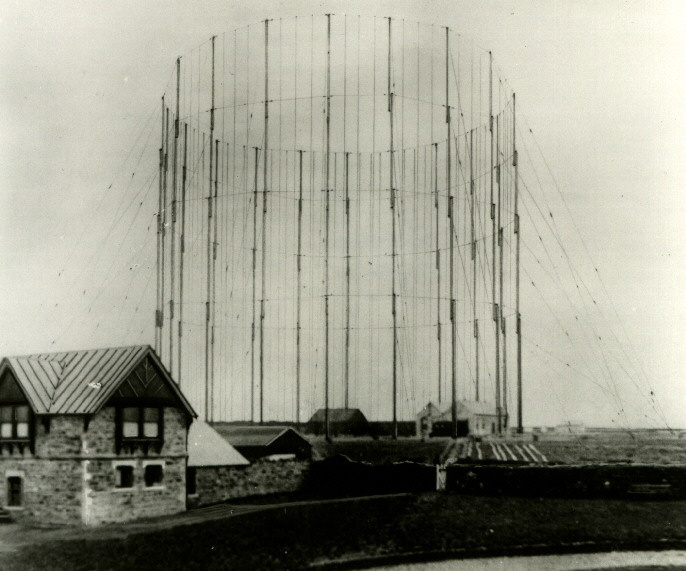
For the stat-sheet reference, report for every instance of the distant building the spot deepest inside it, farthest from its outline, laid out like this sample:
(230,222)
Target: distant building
(571,428)
(473,417)
(342,421)
(266,442)
(91,436)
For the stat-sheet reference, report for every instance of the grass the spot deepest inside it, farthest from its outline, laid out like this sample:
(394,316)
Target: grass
(298,536)
(598,449)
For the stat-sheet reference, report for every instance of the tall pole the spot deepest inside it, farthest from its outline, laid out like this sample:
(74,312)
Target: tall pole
(182,249)
(501,250)
(347,282)
(475,321)
(208,311)
(393,245)
(213,281)
(451,217)
(298,286)
(326,238)
(517,229)
(254,297)
(264,212)
(165,169)
(494,239)
(160,227)
(172,258)
(438,275)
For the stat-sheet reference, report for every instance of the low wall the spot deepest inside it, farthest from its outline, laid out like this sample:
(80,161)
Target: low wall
(338,475)
(631,481)
(220,483)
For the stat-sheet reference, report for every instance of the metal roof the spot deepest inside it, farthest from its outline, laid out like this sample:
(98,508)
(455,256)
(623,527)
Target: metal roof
(79,382)
(207,448)
(338,415)
(241,435)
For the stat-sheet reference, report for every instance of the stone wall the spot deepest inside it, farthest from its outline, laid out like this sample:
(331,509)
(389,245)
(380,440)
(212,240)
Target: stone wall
(220,483)
(52,491)
(107,504)
(71,478)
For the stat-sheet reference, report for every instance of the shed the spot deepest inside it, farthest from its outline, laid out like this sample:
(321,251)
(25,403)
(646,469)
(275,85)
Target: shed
(269,442)
(210,458)
(342,421)
(473,417)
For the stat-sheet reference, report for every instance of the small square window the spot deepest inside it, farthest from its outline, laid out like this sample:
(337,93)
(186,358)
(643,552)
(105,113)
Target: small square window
(124,477)
(6,430)
(154,474)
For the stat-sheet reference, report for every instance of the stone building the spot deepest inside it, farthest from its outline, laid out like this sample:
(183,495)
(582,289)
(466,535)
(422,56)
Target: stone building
(477,418)
(91,437)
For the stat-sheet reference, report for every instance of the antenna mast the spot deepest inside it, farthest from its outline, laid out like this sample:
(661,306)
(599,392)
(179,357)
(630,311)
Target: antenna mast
(264,211)
(451,230)
(517,229)
(393,246)
(208,310)
(172,270)
(182,245)
(326,239)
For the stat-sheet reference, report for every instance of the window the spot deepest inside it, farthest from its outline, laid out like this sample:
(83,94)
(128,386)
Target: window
(14,422)
(154,474)
(141,422)
(124,476)
(191,482)
(14,491)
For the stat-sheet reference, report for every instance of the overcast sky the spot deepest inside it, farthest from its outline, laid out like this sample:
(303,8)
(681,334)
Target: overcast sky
(601,84)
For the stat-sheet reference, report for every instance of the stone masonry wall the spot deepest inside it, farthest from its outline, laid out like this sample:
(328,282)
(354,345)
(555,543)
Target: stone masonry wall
(220,483)
(104,502)
(71,478)
(52,490)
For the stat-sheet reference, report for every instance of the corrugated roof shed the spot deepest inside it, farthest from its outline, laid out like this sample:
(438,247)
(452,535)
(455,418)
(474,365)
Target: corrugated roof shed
(337,415)
(79,382)
(207,448)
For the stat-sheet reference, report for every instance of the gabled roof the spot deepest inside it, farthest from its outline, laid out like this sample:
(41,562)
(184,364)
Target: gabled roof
(80,382)
(207,448)
(337,415)
(243,436)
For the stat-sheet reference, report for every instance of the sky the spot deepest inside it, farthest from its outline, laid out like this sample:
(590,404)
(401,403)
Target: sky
(601,84)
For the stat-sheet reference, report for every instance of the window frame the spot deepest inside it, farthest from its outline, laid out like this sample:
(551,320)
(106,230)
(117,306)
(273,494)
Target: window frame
(19,475)
(140,436)
(15,438)
(157,485)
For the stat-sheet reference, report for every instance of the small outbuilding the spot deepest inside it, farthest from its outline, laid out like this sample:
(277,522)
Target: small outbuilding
(342,421)
(477,418)
(266,442)
(214,466)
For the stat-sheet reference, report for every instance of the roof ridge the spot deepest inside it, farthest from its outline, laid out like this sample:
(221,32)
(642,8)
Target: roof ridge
(42,356)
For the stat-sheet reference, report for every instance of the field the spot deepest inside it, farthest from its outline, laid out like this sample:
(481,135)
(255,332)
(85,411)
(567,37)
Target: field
(592,447)
(423,525)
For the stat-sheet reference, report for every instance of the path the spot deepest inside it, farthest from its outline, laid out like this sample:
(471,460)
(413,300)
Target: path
(500,450)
